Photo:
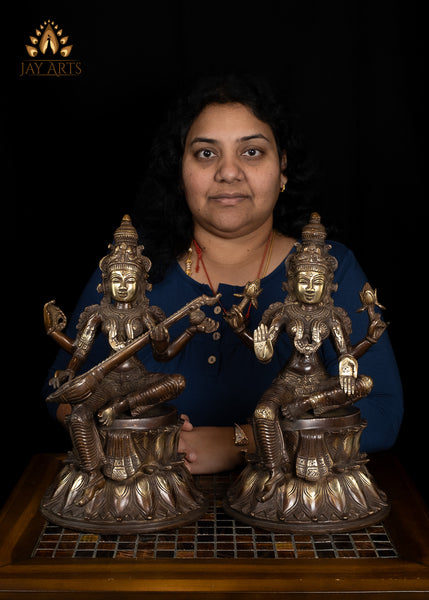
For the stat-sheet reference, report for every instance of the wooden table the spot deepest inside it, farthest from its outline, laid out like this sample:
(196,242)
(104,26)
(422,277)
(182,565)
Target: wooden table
(24,573)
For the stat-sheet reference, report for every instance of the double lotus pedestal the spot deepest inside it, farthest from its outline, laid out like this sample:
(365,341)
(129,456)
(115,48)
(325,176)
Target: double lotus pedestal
(147,486)
(326,486)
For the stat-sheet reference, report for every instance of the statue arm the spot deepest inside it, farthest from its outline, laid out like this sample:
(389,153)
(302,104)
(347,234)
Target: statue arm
(361,347)
(376,327)
(85,337)
(164,350)
(81,347)
(339,337)
(63,340)
(236,317)
(237,321)
(347,362)
(55,321)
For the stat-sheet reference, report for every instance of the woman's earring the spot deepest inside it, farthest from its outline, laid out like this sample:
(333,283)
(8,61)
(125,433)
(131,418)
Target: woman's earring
(282,189)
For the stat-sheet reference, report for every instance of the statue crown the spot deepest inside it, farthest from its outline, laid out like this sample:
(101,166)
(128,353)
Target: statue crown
(312,253)
(125,253)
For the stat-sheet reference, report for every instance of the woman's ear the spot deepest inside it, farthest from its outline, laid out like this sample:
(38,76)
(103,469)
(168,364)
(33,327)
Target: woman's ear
(283,165)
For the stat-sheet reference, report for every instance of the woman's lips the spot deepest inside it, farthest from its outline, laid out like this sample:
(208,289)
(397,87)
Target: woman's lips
(228,199)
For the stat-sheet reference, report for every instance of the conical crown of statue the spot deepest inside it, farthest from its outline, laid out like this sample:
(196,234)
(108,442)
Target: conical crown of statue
(312,254)
(125,253)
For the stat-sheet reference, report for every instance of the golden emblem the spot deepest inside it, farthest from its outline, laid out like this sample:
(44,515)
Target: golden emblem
(49,37)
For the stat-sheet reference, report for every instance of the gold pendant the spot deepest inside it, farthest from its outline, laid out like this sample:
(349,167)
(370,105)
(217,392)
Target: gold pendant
(188,262)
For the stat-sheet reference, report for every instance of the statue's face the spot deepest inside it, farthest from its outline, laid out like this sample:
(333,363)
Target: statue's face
(309,286)
(123,285)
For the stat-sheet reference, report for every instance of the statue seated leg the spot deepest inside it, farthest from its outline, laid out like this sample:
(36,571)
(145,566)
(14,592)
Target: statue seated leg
(156,388)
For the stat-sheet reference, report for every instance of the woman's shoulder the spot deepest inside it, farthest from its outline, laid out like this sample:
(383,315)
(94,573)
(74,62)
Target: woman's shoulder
(348,267)
(340,250)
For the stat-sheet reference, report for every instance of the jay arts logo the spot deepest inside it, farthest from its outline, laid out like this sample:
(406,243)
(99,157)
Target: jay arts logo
(49,53)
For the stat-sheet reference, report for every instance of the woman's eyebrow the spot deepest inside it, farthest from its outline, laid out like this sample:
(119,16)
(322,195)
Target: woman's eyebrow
(204,140)
(260,136)
(246,138)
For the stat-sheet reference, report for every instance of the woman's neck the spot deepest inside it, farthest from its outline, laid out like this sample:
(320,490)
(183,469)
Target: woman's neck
(235,261)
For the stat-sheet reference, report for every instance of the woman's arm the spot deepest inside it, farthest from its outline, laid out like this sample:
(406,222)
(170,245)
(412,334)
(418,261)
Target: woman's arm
(383,407)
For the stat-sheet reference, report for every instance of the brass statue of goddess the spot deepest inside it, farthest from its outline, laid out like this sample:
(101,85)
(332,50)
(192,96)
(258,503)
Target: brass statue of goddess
(124,436)
(306,435)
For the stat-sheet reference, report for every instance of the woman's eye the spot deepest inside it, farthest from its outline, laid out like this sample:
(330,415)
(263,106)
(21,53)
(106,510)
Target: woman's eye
(205,153)
(252,152)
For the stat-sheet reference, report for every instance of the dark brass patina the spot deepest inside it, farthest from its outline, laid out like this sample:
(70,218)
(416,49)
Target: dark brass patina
(308,474)
(125,473)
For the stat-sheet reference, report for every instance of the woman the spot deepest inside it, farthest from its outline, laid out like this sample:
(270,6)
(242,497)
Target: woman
(226,196)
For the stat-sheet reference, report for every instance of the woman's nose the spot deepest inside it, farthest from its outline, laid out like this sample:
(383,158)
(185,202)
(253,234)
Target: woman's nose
(229,170)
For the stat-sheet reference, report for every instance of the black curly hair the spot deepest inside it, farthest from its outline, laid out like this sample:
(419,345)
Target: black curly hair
(161,212)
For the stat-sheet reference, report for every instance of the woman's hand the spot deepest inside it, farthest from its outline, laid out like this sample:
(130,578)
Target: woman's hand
(211,449)
(190,455)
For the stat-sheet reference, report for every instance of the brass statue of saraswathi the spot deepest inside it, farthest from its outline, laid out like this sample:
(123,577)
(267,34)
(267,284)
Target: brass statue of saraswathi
(125,473)
(308,474)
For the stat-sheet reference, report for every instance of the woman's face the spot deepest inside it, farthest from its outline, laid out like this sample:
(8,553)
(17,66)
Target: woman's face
(231,170)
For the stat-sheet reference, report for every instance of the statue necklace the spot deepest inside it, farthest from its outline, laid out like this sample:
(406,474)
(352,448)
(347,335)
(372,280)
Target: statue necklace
(265,259)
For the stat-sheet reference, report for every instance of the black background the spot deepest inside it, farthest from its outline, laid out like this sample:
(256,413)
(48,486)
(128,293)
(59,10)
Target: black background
(75,149)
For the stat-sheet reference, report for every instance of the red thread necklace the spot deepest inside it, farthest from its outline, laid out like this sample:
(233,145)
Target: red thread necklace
(200,259)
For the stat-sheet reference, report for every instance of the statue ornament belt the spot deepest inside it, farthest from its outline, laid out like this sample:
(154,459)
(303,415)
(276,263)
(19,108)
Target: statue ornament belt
(305,384)
(80,388)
